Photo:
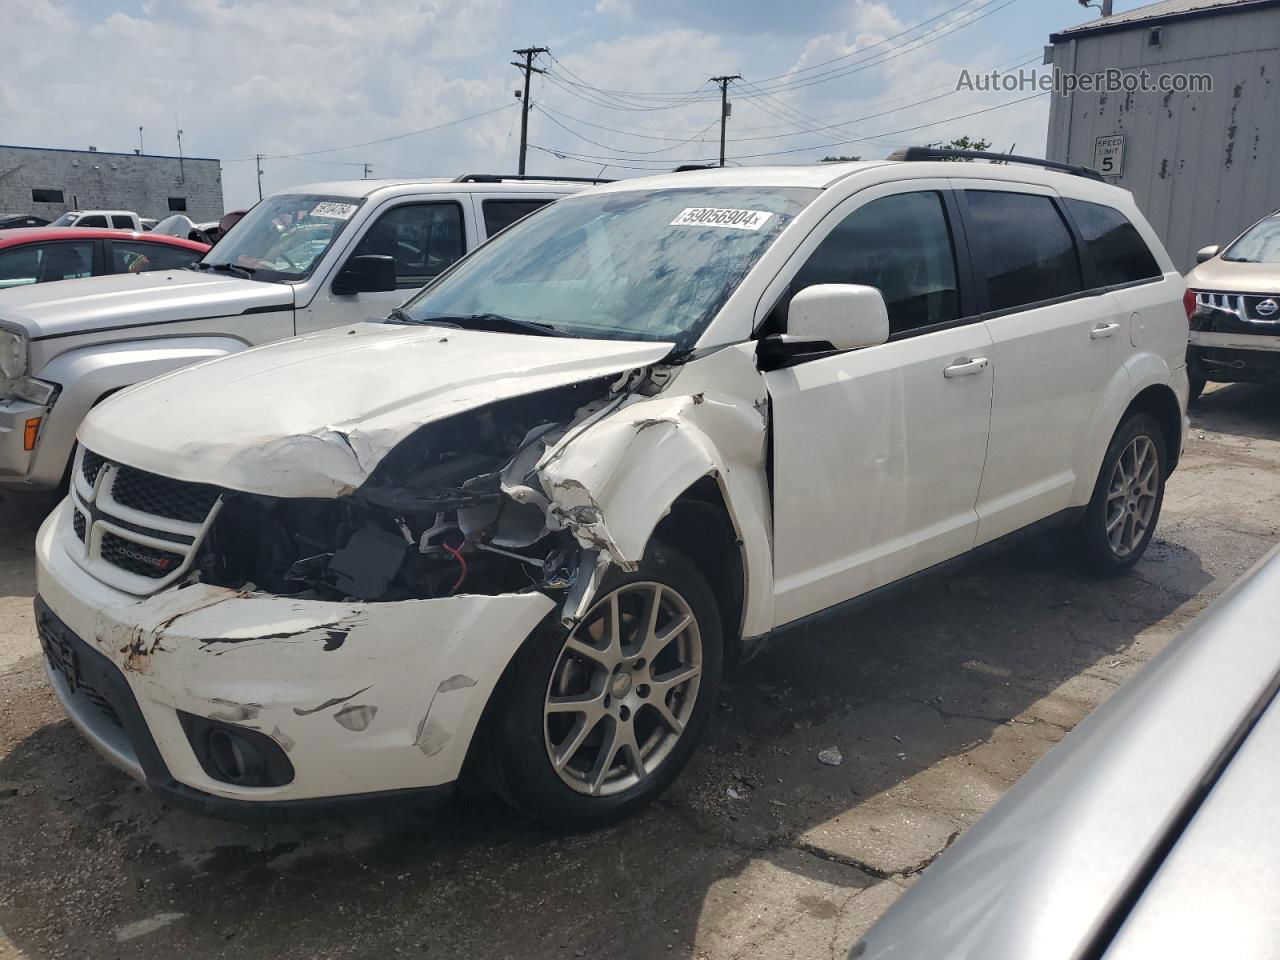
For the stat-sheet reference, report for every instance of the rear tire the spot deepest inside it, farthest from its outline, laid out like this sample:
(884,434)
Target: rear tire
(588,728)
(1122,515)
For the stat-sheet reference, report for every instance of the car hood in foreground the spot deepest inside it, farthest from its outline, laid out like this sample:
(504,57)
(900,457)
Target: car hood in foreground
(1229,277)
(135,300)
(312,416)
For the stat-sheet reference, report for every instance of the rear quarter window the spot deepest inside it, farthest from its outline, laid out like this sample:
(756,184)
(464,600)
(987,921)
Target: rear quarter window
(1119,253)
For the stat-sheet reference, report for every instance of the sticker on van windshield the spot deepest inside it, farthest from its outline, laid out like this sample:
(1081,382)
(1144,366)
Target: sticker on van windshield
(335,211)
(718,217)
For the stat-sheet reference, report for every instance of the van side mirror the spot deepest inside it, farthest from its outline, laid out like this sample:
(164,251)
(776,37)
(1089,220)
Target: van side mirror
(367,273)
(1207,253)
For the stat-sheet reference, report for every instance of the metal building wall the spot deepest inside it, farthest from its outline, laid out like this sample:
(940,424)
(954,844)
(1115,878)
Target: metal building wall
(116,181)
(1202,167)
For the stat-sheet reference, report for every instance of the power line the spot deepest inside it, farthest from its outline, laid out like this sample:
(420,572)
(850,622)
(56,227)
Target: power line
(833,120)
(677,144)
(626,100)
(369,143)
(623,162)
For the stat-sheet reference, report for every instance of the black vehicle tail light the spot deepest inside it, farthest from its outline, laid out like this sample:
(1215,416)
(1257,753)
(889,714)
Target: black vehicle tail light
(236,755)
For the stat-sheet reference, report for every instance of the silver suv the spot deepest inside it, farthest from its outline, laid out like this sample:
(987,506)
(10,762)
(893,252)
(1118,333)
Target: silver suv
(312,257)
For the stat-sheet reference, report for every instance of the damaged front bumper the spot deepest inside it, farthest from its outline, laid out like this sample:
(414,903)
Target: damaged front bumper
(363,698)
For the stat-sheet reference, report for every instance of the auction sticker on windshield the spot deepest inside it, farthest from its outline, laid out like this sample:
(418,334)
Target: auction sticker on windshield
(335,211)
(719,217)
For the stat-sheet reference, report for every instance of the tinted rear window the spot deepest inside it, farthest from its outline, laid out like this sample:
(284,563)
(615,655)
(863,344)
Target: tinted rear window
(1120,255)
(500,214)
(1026,251)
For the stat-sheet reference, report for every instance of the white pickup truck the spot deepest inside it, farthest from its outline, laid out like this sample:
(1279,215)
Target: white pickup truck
(316,256)
(113,219)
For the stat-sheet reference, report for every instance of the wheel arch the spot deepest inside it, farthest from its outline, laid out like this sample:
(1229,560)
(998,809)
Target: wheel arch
(1161,403)
(699,525)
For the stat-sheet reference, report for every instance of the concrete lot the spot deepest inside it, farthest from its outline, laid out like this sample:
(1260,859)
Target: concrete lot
(938,700)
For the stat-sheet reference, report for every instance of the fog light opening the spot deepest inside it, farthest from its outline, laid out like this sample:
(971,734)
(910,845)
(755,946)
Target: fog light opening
(235,759)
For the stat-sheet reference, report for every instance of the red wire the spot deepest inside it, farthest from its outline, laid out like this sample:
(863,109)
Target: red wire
(462,562)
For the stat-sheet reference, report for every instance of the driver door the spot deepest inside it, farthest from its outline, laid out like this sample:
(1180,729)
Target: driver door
(878,453)
(423,239)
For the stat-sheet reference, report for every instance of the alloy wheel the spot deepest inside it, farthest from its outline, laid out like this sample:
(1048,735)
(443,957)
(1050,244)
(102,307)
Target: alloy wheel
(1131,495)
(623,689)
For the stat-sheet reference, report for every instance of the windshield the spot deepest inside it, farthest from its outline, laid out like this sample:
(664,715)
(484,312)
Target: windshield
(66,220)
(641,265)
(284,237)
(1260,243)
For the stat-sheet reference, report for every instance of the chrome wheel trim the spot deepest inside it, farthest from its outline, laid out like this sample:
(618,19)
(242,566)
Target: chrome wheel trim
(623,689)
(1131,496)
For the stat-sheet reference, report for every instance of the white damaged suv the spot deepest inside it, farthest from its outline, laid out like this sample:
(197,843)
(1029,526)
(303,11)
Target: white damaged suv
(519,528)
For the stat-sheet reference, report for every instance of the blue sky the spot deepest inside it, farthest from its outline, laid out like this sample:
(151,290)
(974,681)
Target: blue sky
(285,77)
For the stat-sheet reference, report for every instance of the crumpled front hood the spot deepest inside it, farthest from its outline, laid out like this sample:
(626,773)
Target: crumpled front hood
(312,416)
(133,299)
(1228,277)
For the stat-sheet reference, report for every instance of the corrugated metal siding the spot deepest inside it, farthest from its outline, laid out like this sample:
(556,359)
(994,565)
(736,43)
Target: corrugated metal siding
(1202,167)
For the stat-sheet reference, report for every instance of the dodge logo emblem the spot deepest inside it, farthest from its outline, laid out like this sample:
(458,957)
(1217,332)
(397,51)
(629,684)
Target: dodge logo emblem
(1267,307)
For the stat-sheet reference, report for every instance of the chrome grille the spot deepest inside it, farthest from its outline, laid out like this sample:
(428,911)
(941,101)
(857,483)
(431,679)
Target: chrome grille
(1245,307)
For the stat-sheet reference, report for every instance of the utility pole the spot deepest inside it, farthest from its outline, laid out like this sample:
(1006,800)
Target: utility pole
(257,162)
(724,106)
(367,170)
(141,149)
(182,168)
(527,68)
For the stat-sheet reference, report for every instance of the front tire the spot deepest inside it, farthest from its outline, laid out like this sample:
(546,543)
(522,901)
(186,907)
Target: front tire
(595,722)
(1122,515)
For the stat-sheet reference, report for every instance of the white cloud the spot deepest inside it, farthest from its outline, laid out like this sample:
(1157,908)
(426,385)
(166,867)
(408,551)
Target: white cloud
(283,76)
(619,8)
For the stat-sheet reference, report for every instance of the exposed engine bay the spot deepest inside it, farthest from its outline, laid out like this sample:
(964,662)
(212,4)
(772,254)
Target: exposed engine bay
(432,519)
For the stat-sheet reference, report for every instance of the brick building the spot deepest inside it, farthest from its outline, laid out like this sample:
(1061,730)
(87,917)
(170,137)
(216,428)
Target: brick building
(48,182)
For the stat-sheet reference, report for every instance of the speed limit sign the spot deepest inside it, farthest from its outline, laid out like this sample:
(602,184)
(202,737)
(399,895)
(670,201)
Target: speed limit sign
(1108,155)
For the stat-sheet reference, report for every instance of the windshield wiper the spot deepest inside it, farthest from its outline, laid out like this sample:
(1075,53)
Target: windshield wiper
(493,322)
(248,272)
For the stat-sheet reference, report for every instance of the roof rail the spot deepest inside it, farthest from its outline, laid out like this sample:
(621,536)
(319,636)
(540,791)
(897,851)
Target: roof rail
(500,177)
(938,153)
(686,167)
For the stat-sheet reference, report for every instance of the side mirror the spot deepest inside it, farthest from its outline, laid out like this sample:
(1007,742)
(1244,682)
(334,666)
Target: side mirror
(1207,253)
(845,315)
(368,273)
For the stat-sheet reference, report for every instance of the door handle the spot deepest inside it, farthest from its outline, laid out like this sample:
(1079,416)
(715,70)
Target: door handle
(966,368)
(1103,330)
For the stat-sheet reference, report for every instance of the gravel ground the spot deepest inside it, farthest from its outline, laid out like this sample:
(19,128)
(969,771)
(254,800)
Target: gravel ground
(937,701)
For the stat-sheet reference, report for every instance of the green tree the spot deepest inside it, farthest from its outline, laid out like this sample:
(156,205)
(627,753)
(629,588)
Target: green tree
(839,159)
(977,145)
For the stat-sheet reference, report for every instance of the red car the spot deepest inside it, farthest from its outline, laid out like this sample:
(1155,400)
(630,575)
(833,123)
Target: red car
(40,254)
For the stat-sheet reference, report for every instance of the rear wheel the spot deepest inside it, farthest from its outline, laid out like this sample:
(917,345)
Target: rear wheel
(1121,517)
(597,721)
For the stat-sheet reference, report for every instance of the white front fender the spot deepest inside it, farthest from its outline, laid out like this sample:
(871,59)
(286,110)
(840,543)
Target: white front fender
(612,483)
